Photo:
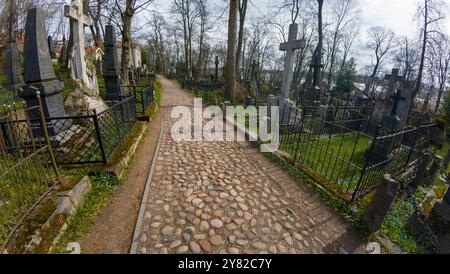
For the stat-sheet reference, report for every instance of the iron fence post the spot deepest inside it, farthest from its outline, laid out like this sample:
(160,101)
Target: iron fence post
(99,137)
(366,165)
(46,136)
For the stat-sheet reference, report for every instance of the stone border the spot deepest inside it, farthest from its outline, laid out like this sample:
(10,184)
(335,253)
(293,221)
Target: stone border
(139,222)
(46,235)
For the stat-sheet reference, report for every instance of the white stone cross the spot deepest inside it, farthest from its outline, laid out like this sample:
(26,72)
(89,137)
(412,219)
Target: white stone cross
(290,47)
(80,19)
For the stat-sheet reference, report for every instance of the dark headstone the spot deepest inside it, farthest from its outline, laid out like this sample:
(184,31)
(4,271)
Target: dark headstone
(216,74)
(13,67)
(381,203)
(51,47)
(111,72)
(39,73)
(62,56)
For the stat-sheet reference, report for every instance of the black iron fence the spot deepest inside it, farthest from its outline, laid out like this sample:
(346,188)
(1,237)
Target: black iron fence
(27,168)
(336,144)
(89,139)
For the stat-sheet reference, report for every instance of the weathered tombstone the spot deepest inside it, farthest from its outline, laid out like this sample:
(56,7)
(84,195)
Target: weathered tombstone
(38,71)
(63,54)
(289,47)
(383,148)
(394,78)
(111,71)
(86,96)
(51,47)
(441,212)
(216,72)
(13,67)
(312,93)
(381,203)
(79,20)
(424,161)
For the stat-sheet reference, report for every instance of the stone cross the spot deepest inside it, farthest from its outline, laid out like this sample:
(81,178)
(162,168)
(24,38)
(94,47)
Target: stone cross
(78,15)
(290,47)
(393,79)
(397,98)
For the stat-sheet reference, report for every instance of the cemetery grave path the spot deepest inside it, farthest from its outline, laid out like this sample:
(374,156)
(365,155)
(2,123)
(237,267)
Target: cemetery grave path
(225,197)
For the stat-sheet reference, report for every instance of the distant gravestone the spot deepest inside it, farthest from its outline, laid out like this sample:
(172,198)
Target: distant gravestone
(111,72)
(51,47)
(38,70)
(13,67)
(216,72)
(62,56)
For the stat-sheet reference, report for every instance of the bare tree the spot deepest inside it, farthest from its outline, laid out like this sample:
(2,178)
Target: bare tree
(243,5)
(381,43)
(230,75)
(344,13)
(127,9)
(430,14)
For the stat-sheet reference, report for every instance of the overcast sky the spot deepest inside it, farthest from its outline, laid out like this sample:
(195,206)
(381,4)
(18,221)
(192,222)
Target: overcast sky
(395,14)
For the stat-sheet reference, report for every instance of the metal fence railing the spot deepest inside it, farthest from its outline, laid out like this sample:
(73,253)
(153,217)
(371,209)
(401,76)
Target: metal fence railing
(90,139)
(335,144)
(27,167)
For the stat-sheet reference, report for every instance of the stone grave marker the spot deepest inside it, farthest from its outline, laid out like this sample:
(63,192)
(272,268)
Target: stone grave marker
(13,67)
(288,74)
(111,71)
(51,47)
(86,96)
(38,71)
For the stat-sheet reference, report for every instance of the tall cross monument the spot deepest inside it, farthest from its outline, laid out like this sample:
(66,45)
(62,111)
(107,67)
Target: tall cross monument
(290,47)
(77,12)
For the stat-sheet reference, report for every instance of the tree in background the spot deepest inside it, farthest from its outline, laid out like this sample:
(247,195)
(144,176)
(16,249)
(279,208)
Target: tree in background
(346,77)
(230,74)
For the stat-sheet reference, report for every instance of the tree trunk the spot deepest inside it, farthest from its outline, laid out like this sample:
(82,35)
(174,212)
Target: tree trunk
(230,86)
(424,50)
(126,47)
(242,16)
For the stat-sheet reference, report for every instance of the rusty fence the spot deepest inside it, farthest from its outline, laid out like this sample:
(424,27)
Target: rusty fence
(28,169)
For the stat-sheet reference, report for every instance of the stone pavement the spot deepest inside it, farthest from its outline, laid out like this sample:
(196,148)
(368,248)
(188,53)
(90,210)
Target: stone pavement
(225,197)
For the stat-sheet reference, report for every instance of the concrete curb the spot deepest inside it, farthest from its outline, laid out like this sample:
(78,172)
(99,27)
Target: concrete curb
(139,222)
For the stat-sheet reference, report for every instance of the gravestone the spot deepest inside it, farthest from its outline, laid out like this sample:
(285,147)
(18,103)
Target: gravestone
(312,93)
(62,56)
(216,72)
(441,212)
(51,47)
(79,20)
(383,148)
(394,78)
(38,71)
(381,203)
(13,67)
(111,71)
(288,74)
(86,96)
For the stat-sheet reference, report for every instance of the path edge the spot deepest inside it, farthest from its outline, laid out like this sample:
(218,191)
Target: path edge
(139,222)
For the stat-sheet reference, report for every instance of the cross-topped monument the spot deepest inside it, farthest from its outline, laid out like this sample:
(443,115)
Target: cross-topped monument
(393,79)
(78,15)
(290,47)
(397,98)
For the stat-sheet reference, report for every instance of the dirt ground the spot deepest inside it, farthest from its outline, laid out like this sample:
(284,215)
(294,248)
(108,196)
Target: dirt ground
(113,230)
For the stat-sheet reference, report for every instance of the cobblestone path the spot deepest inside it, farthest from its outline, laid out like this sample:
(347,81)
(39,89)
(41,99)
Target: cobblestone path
(224,197)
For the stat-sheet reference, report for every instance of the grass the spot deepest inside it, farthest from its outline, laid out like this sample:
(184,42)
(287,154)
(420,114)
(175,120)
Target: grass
(339,159)
(103,187)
